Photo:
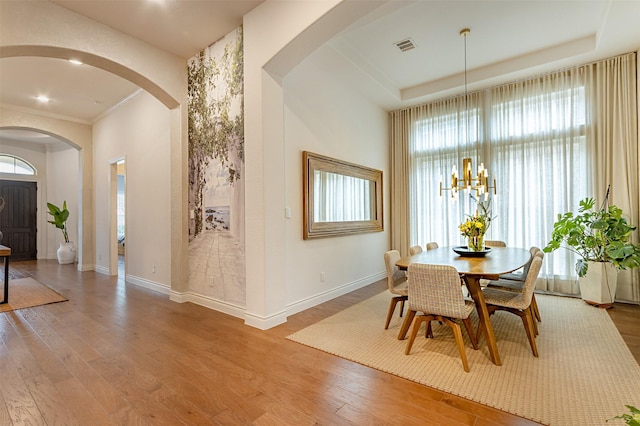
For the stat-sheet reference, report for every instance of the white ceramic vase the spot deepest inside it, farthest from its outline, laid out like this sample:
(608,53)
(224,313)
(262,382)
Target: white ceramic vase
(598,287)
(66,253)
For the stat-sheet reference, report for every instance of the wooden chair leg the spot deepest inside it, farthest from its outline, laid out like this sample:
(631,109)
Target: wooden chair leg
(530,325)
(534,322)
(536,312)
(402,307)
(527,320)
(404,328)
(457,332)
(414,332)
(469,327)
(428,332)
(392,307)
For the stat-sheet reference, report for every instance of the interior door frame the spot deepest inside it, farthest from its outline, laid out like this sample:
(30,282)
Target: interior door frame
(113,214)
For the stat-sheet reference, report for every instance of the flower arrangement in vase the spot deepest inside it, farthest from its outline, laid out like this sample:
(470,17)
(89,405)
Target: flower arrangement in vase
(476,225)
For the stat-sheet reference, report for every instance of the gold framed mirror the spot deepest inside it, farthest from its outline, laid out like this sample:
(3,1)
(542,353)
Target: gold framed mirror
(340,198)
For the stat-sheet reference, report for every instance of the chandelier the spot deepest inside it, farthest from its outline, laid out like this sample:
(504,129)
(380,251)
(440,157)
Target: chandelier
(480,183)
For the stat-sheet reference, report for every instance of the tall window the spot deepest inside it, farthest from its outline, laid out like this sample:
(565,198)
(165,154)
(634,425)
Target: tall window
(15,165)
(538,148)
(443,134)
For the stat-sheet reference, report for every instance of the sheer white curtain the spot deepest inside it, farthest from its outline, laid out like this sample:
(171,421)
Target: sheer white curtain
(550,141)
(538,150)
(443,134)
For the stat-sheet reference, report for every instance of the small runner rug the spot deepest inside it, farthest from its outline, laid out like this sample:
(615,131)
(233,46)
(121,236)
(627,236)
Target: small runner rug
(27,293)
(585,373)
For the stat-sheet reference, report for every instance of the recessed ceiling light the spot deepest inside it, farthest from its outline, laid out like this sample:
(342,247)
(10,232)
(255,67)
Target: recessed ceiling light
(75,61)
(42,99)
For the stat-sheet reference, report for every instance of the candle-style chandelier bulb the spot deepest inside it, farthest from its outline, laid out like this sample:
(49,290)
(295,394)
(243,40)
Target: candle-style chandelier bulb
(479,184)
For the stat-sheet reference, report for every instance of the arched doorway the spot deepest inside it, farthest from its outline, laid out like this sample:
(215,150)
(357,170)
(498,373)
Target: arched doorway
(160,74)
(53,177)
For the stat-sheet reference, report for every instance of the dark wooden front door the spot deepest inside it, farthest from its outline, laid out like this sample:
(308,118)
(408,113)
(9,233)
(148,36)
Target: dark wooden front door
(18,219)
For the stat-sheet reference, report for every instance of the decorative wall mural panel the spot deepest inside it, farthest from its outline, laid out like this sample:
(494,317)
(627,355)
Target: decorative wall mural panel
(216,172)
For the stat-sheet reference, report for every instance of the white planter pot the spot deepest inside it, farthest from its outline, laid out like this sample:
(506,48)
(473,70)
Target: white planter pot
(66,253)
(598,287)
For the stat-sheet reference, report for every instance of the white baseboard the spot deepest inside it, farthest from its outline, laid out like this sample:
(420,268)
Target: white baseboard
(265,323)
(174,296)
(131,279)
(301,305)
(84,268)
(151,285)
(257,321)
(101,270)
(140,282)
(208,302)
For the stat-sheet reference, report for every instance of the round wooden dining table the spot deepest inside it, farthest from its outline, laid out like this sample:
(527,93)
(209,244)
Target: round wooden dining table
(498,261)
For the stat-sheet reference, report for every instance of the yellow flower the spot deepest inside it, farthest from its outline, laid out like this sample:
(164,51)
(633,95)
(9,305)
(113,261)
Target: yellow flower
(475,225)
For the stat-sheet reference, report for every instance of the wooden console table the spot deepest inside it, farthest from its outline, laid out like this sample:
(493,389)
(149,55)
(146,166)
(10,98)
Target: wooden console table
(5,252)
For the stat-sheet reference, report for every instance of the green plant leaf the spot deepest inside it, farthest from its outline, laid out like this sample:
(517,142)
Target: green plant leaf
(581,267)
(598,235)
(632,419)
(60,217)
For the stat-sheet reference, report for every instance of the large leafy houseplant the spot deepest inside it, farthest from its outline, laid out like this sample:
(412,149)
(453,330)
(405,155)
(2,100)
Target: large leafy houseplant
(596,235)
(60,217)
(632,419)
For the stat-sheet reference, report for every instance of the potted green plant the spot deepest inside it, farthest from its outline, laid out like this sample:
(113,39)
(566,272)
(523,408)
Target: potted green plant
(632,419)
(601,238)
(67,251)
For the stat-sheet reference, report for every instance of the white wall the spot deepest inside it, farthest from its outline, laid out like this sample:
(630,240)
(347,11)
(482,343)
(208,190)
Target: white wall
(63,183)
(138,131)
(295,30)
(325,116)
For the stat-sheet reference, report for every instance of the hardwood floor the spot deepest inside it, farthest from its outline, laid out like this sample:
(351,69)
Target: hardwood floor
(118,354)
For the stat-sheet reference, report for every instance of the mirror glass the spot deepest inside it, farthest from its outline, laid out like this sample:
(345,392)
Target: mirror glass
(340,198)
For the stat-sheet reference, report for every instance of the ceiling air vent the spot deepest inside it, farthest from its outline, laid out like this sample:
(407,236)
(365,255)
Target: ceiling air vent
(406,44)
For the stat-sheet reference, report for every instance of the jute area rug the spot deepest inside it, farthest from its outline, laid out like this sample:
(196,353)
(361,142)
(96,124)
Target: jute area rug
(27,293)
(585,373)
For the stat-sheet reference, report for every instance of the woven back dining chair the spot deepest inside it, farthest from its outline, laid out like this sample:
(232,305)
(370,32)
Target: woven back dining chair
(434,290)
(517,302)
(396,282)
(515,281)
(415,250)
(432,245)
